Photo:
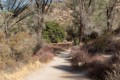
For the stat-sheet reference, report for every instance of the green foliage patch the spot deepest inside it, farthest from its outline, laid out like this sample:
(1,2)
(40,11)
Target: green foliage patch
(53,33)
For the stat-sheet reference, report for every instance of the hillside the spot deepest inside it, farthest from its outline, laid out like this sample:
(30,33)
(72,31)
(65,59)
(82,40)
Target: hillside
(60,13)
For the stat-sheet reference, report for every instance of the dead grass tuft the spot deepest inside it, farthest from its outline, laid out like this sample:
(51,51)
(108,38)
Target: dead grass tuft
(20,73)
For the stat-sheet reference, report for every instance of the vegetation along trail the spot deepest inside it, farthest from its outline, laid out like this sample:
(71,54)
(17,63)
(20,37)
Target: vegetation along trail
(58,69)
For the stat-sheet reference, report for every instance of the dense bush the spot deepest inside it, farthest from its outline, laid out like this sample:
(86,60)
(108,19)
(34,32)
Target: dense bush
(53,32)
(79,55)
(72,34)
(105,44)
(98,66)
(46,53)
(22,46)
(18,49)
(109,70)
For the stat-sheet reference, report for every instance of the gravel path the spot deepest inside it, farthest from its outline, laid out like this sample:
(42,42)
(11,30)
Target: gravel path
(58,69)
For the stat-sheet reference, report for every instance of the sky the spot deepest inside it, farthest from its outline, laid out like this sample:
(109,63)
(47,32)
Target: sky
(5,4)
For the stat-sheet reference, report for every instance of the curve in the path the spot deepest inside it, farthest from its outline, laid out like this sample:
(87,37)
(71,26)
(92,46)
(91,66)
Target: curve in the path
(58,69)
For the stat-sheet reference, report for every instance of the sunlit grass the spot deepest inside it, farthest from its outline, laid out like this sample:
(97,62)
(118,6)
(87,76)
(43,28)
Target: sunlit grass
(20,73)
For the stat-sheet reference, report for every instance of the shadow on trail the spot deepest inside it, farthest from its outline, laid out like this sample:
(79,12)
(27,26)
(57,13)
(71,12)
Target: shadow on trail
(77,77)
(66,67)
(72,75)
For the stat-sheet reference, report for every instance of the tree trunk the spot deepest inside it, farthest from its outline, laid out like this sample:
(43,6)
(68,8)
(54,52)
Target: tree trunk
(83,19)
(6,31)
(40,22)
(39,26)
(110,14)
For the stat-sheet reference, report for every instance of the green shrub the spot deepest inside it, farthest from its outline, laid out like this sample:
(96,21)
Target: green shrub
(53,33)
(76,41)
(72,34)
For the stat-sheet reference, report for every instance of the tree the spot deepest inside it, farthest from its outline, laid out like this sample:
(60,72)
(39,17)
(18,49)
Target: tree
(110,12)
(81,19)
(16,11)
(40,8)
(13,13)
(93,16)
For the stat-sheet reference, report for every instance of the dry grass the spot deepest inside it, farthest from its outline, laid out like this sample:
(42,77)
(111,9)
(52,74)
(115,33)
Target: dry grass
(45,55)
(20,73)
(62,46)
(16,56)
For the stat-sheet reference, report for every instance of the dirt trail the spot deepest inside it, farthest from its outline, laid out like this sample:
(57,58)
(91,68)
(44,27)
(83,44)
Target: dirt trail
(58,69)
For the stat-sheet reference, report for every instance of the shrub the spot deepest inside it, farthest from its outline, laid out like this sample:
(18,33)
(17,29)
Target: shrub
(5,53)
(101,44)
(2,37)
(53,32)
(98,45)
(46,57)
(114,74)
(62,46)
(72,33)
(78,54)
(22,46)
(93,35)
(105,70)
(102,68)
(98,70)
(45,54)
